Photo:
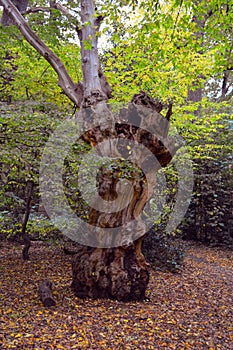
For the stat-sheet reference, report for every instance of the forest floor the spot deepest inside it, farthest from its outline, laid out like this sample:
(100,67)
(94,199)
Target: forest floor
(189,310)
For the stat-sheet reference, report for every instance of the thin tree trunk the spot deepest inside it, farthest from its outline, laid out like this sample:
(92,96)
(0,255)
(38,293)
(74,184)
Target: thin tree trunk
(26,239)
(194,92)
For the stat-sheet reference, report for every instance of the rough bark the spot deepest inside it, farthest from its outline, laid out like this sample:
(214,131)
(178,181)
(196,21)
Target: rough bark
(118,273)
(122,273)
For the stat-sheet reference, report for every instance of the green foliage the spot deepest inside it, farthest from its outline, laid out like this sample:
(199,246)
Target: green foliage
(24,130)
(148,54)
(163,252)
(21,63)
(166,49)
(209,218)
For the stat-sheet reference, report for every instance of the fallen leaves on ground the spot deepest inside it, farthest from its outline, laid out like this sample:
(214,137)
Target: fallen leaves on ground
(189,310)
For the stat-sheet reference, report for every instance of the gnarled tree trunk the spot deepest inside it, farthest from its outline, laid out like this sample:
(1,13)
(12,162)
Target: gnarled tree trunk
(118,271)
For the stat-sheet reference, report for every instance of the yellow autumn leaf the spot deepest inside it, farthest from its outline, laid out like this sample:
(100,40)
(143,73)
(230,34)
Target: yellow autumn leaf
(19,335)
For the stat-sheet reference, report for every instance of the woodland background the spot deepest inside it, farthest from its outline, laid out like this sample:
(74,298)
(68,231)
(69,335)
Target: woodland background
(180,53)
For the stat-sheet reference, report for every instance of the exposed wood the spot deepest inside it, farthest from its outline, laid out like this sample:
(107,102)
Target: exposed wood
(110,273)
(119,272)
(45,292)
(147,101)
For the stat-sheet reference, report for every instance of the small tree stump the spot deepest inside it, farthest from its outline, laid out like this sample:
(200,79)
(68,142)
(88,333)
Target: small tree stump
(45,292)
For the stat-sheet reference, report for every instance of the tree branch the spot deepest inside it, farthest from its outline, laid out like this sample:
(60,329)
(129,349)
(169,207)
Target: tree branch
(37,9)
(62,9)
(64,80)
(55,6)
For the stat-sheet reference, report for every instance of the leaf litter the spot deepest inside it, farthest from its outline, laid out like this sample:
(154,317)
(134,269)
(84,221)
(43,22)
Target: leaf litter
(189,310)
